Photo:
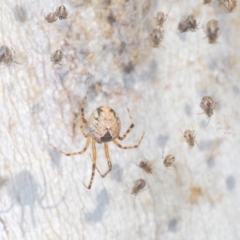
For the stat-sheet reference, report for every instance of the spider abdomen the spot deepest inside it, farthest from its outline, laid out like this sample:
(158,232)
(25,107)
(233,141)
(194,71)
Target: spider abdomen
(104,124)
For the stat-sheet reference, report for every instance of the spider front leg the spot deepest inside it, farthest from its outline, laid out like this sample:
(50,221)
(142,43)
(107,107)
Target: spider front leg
(75,153)
(129,129)
(94,152)
(82,110)
(128,147)
(108,160)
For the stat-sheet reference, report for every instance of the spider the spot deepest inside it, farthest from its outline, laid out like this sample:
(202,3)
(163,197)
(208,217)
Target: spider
(156,37)
(104,126)
(6,56)
(212,31)
(168,161)
(189,137)
(188,24)
(208,104)
(56,57)
(146,166)
(161,18)
(230,5)
(227,126)
(61,12)
(51,17)
(138,186)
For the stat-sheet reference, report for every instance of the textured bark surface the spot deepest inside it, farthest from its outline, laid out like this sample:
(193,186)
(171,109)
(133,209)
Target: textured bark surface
(107,51)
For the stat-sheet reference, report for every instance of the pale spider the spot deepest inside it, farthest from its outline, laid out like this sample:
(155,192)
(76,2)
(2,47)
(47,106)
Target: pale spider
(51,17)
(56,57)
(169,160)
(61,12)
(156,37)
(227,126)
(189,137)
(104,126)
(161,18)
(138,186)
(208,104)
(212,30)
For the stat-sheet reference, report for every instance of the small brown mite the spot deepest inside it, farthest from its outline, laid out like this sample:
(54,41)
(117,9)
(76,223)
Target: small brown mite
(146,166)
(188,24)
(189,137)
(212,31)
(157,37)
(168,161)
(56,57)
(229,5)
(138,186)
(51,17)
(61,12)
(6,56)
(208,104)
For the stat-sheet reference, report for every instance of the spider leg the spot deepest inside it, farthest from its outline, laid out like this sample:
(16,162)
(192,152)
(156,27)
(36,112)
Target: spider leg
(75,153)
(82,109)
(129,129)
(128,147)
(94,152)
(108,160)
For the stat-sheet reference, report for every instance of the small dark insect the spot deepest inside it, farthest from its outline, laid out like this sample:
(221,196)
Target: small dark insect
(51,17)
(61,12)
(212,31)
(188,24)
(168,161)
(56,57)
(189,137)
(208,104)
(146,166)
(230,5)
(138,186)
(207,1)
(157,37)
(6,56)
(161,18)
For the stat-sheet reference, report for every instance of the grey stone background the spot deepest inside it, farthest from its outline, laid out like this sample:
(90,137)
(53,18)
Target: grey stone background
(107,52)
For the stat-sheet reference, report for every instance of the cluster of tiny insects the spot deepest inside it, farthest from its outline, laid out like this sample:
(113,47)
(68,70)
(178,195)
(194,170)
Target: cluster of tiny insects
(212,30)
(56,57)
(188,24)
(104,126)
(208,104)
(6,56)
(61,13)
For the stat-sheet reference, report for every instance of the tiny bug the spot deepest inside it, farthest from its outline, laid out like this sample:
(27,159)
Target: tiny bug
(230,5)
(51,17)
(212,31)
(161,18)
(157,37)
(6,56)
(207,1)
(188,24)
(103,126)
(168,161)
(61,12)
(208,104)
(138,186)
(146,166)
(227,126)
(189,137)
(56,57)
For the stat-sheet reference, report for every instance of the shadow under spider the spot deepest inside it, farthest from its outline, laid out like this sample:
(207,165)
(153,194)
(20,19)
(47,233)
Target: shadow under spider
(24,190)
